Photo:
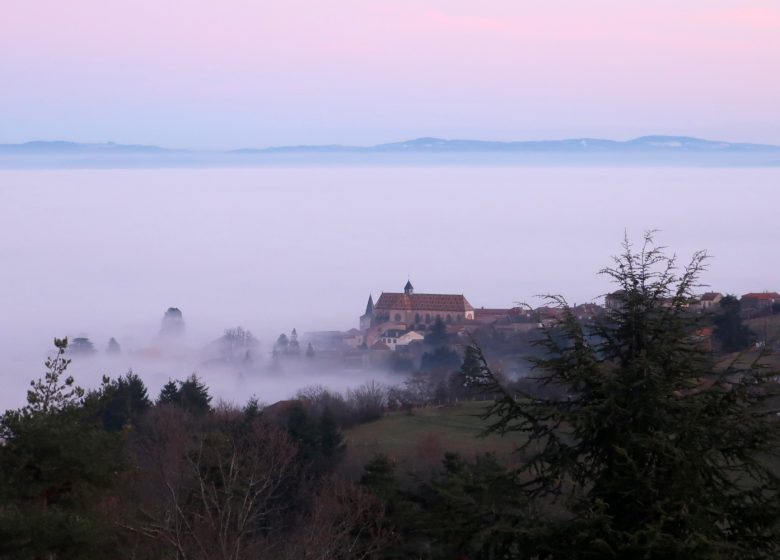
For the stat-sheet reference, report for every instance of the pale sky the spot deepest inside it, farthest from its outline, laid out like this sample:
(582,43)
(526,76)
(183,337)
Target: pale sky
(241,73)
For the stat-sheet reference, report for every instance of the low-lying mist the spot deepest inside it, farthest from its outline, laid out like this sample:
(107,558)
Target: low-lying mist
(158,361)
(103,253)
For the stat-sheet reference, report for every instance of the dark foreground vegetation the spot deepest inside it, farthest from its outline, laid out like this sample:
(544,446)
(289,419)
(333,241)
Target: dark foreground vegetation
(632,442)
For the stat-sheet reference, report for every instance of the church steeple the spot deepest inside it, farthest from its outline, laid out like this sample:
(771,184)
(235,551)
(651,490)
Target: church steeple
(408,289)
(368,317)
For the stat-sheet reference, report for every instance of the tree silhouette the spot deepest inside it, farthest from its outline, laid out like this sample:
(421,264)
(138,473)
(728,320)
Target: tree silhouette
(653,451)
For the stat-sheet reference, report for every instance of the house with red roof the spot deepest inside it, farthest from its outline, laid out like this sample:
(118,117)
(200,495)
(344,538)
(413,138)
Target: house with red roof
(759,301)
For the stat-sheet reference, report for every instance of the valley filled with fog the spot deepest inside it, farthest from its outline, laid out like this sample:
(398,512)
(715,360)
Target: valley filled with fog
(104,253)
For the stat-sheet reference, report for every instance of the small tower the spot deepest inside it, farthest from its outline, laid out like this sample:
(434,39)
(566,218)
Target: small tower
(368,316)
(408,289)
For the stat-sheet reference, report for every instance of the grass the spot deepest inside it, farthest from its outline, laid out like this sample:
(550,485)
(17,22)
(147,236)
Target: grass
(417,441)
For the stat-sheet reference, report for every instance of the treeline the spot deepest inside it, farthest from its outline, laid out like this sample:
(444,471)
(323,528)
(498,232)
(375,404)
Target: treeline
(111,474)
(633,442)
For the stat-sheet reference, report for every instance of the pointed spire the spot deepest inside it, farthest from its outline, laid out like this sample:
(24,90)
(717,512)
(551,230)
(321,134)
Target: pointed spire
(370,305)
(408,289)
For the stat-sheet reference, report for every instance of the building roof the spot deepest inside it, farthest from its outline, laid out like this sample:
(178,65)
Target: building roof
(370,305)
(588,307)
(412,334)
(710,296)
(408,285)
(486,316)
(490,311)
(454,303)
(762,295)
(549,312)
(617,294)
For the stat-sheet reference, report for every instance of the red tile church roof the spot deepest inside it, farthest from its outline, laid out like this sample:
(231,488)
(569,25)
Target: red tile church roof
(455,303)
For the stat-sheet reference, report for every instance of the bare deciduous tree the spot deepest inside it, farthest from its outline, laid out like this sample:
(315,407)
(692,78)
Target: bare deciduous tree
(369,401)
(215,494)
(346,522)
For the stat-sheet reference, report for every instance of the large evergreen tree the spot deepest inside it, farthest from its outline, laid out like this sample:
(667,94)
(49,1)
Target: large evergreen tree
(119,403)
(55,461)
(654,451)
(191,394)
(730,332)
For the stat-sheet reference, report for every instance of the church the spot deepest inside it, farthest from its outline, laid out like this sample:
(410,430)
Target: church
(410,308)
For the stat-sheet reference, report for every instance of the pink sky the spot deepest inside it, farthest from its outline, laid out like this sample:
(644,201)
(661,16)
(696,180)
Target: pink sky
(240,73)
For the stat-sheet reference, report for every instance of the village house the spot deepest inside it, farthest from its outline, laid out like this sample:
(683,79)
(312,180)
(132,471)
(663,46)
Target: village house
(759,301)
(334,340)
(709,300)
(587,311)
(488,316)
(615,300)
(394,338)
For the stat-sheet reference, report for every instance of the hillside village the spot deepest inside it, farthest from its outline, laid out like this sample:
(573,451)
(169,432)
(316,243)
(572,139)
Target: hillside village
(402,331)
(393,329)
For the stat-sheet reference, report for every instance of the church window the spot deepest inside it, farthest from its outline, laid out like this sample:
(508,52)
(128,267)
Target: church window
(397,317)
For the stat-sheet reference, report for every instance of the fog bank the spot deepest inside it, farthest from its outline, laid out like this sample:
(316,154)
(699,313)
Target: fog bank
(103,253)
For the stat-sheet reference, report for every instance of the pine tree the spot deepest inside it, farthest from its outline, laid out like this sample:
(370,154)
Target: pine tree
(113,347)
(194,396)
(169,394)
(331,441)
(119,403)
(654,452)
(54,463)
(437,335)
(730,332)
(52,393)
(379,476)
(294,347)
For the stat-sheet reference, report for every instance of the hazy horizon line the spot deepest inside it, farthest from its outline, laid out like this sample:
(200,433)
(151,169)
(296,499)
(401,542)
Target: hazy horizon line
(528,140)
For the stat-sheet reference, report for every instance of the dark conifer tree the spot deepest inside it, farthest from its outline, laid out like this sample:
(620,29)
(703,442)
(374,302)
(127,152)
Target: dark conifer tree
(169,394)
(119,403)
(194,396)
(437,335)
(55,461)
(653,451)
(113,347)
(730,332)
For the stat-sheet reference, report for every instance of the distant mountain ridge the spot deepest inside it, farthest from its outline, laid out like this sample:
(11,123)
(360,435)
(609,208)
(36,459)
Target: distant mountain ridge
(429,144)
(426,144)
(645,150)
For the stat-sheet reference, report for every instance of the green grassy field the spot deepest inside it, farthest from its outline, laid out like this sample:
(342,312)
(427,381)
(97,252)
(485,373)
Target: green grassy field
(416,442)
